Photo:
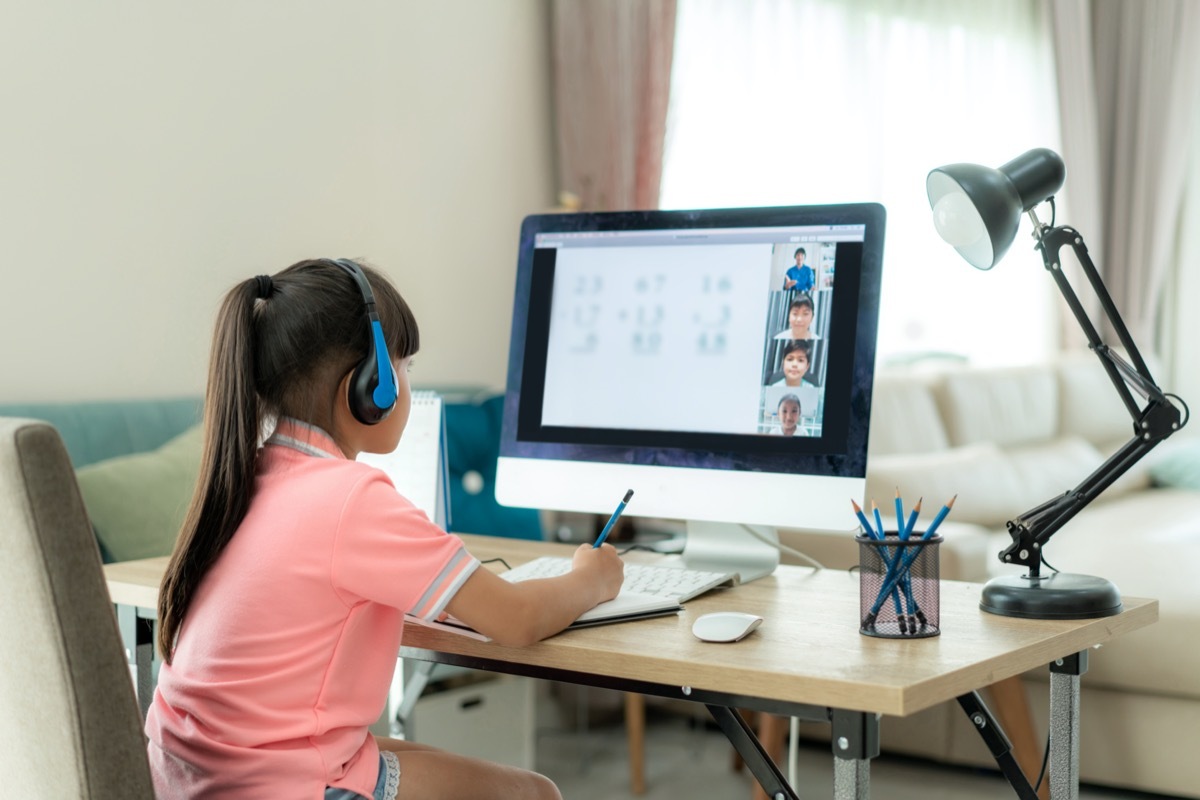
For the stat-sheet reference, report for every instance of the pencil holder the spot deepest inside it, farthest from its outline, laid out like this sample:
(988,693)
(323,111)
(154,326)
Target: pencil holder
(898,582)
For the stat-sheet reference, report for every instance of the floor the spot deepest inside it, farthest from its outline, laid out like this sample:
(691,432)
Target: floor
(687,758)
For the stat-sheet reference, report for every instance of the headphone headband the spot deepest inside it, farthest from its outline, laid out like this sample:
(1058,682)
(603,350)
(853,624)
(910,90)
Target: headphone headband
(373,389)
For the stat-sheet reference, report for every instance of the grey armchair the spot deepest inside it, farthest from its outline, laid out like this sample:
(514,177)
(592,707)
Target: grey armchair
(69,720)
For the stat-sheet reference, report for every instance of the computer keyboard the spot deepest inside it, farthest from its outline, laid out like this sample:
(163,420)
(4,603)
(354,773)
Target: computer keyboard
(679,583)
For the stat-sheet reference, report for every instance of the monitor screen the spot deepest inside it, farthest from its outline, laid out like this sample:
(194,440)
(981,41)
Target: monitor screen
(718,362)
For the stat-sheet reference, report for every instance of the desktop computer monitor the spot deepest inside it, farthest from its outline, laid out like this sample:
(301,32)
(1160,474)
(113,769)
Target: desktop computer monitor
(717,362)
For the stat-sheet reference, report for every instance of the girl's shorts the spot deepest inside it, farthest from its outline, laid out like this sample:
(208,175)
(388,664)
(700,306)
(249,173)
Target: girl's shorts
(385,788)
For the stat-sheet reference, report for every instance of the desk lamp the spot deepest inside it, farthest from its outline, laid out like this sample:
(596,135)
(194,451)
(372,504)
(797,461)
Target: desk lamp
(977,210)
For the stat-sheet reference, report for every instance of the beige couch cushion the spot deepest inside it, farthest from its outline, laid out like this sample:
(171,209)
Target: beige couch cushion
(1047,469)
(1006,407)
(981,475)
(1089,405)
(904,416)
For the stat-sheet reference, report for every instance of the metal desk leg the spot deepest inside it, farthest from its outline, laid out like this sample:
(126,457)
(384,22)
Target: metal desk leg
(1064,725)
(751,750)
(855,743)
(137,634)
(1001,749)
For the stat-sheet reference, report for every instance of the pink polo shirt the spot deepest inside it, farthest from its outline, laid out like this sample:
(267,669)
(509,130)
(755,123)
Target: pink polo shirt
(287,651)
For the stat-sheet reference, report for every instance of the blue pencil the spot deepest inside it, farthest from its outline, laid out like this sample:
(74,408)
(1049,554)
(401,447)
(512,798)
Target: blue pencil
(890,583)
(912,520)
(862,519)
(891,565)
(612,520)
(905,534)
(905,584)
(883,551)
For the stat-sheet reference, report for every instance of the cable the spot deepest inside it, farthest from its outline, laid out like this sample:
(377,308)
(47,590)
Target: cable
(1048,564)
(1187,412)
(783,548)
(1045,761)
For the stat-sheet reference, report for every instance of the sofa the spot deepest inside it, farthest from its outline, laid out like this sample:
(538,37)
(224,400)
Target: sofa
(136,462)
(1004,440)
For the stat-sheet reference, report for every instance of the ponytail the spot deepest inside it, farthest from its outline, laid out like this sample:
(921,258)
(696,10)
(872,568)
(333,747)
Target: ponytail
(226,479)
(282,356)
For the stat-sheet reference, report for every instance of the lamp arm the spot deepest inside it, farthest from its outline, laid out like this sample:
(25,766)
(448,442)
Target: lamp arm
(1153,423)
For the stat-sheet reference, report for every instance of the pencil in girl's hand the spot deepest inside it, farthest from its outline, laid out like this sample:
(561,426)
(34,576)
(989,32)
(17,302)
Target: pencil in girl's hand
(612,520)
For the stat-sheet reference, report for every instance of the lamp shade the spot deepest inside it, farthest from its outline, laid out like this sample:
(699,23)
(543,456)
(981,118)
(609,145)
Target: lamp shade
(977,209)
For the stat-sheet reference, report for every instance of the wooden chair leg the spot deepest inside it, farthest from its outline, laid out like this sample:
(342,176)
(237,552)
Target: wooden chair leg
(1010,705)
(635,732)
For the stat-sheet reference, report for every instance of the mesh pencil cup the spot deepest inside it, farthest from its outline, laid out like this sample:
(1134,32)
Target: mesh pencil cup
(898,587)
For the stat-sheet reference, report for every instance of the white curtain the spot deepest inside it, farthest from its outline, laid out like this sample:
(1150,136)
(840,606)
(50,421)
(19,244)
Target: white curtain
(1129,76)
(612,68)
(781,102)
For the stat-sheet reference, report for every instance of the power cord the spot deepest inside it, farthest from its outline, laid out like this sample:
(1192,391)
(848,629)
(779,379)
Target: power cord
(778,546)
(783,548)
(1045,761)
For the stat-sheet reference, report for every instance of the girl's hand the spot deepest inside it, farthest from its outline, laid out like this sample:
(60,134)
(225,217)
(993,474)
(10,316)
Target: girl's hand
(603,568)
(519,614)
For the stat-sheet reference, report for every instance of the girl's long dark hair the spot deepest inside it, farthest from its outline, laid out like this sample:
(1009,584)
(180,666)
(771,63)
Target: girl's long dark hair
(281,355)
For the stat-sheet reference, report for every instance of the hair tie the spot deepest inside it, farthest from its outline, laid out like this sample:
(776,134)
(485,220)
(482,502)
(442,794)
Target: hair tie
(265,285)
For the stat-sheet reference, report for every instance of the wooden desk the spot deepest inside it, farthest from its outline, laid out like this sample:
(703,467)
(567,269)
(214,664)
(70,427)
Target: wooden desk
(806,660)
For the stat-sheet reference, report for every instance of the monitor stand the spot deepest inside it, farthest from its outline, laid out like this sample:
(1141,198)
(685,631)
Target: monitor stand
(732,547)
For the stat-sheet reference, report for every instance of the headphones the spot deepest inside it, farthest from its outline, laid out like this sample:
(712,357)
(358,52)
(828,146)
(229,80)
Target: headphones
(372,392)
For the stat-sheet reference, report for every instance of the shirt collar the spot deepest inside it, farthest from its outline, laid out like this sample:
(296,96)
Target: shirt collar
(305,438)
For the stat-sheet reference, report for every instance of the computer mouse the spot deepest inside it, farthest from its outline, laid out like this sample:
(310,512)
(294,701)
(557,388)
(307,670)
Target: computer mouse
(725,626)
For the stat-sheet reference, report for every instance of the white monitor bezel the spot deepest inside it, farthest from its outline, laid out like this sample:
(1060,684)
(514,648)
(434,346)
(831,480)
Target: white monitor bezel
(533,474)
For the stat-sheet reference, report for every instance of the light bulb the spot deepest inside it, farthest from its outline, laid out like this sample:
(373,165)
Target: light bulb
(957,220)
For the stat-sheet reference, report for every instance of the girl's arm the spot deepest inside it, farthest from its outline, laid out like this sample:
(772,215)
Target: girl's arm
(517,614)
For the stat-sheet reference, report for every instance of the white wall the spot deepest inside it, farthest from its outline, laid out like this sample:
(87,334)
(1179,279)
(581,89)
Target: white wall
(154,153)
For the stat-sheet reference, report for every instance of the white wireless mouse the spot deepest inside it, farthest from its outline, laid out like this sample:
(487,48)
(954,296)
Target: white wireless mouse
(725,626)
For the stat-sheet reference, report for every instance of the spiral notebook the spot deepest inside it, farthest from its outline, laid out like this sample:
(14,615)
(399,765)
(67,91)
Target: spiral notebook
(418,465)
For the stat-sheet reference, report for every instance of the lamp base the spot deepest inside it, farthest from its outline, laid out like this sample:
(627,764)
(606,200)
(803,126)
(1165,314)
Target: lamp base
(1056,596)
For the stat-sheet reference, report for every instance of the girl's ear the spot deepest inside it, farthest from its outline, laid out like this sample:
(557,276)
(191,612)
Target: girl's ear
(342,413)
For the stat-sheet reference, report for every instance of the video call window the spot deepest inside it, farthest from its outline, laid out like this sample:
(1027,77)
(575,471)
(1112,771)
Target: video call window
(707,337)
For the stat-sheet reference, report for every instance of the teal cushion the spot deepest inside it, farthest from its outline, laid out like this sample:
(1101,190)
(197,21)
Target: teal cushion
(137,502)
(1179,468)
(95,430)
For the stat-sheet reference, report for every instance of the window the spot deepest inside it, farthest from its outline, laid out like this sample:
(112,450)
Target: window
(782,102)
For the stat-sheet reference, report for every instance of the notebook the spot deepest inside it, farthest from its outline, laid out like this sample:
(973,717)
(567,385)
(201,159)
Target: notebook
(625,607)
(418,465)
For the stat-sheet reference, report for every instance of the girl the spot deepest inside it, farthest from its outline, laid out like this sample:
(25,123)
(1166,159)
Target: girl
(788,412)
(282,608)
